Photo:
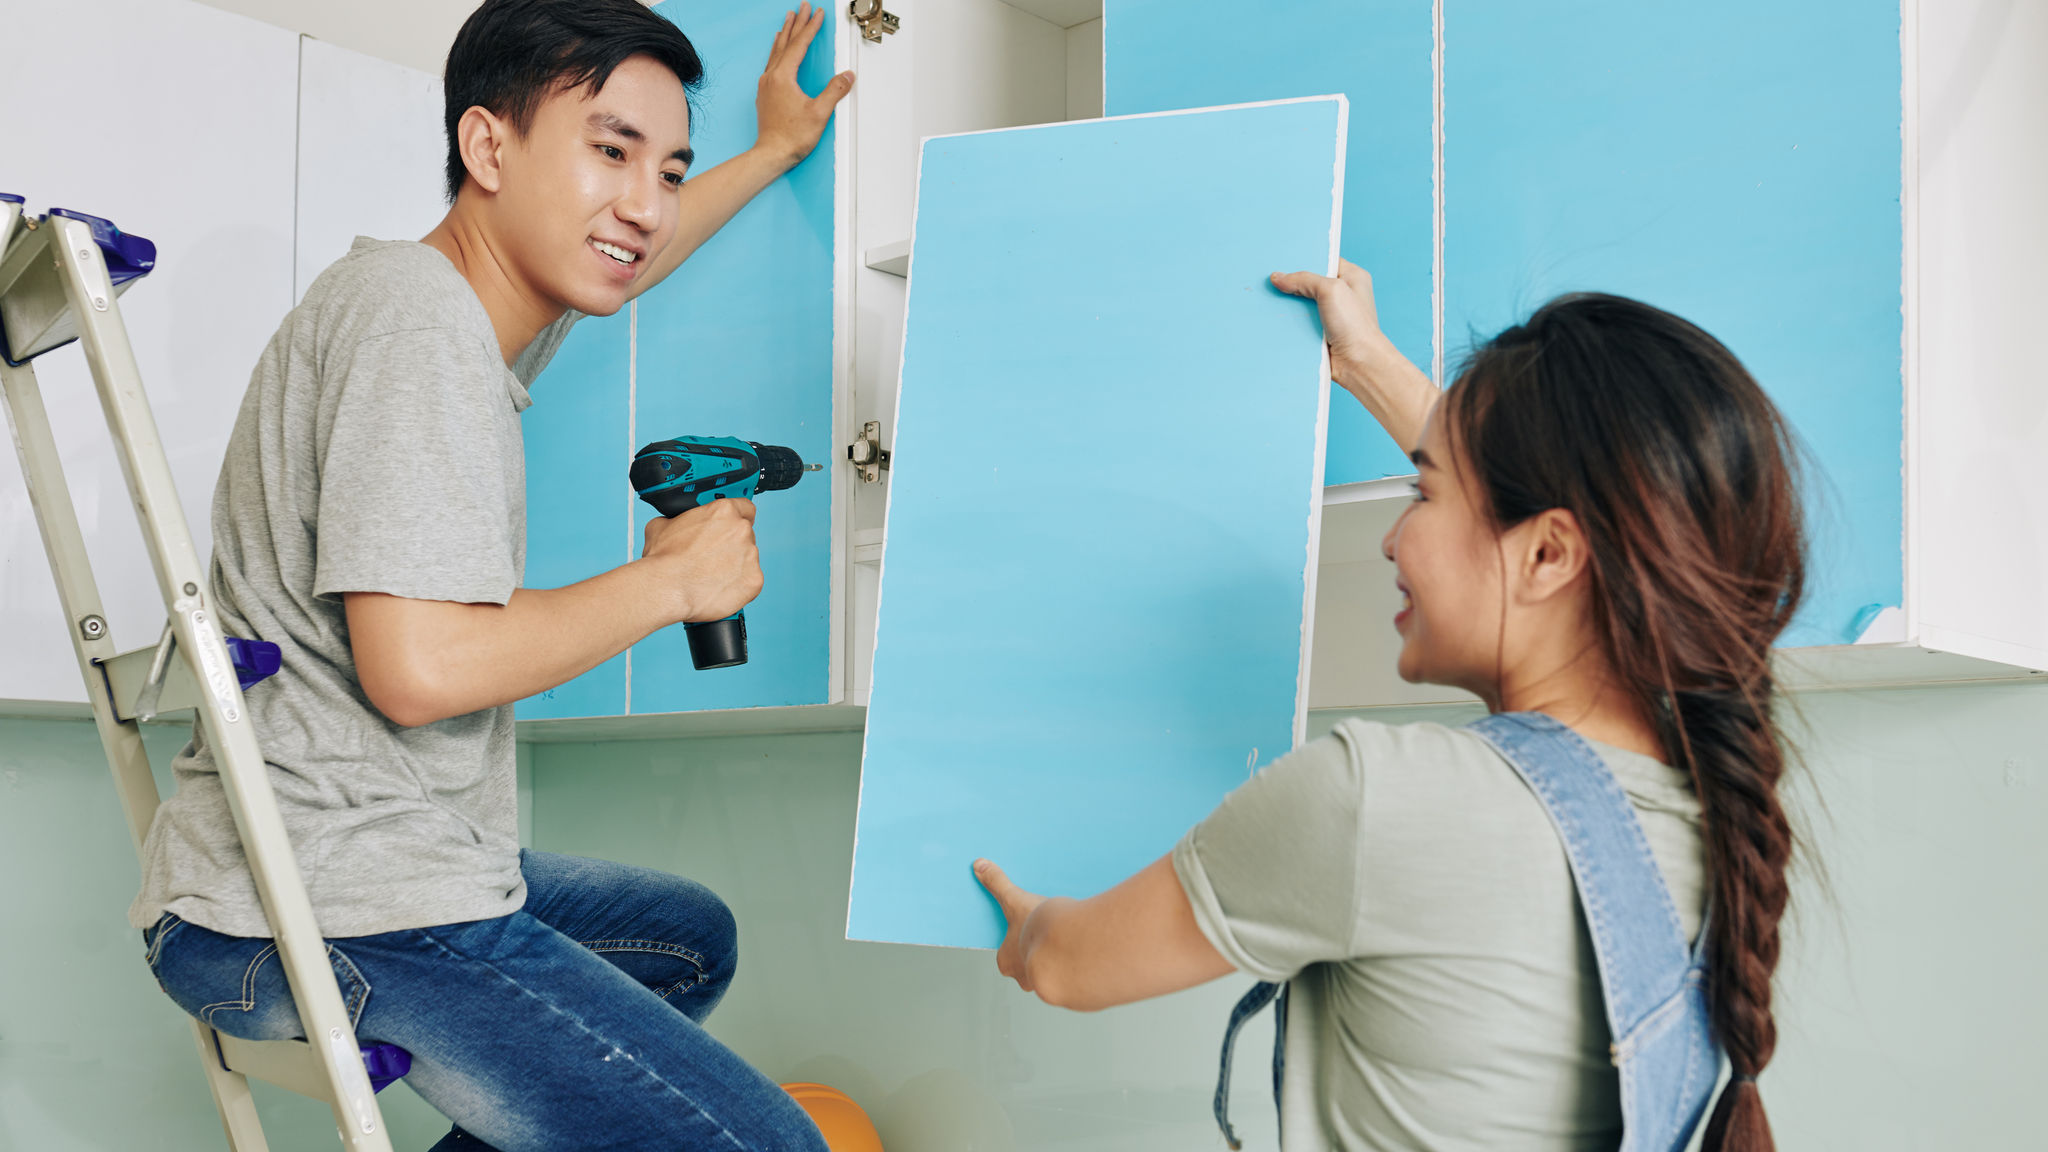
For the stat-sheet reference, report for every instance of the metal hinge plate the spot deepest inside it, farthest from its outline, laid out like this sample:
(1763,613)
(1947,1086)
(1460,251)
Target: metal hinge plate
(874,23)
(869,458)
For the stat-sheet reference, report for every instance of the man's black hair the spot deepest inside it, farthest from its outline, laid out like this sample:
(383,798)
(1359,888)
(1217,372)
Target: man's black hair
(512,54)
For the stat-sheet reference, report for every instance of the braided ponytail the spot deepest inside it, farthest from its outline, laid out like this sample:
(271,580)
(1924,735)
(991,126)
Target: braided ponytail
(1736,763)
(1681,473)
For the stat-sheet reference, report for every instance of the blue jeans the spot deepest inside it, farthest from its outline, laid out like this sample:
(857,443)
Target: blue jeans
(573,1023)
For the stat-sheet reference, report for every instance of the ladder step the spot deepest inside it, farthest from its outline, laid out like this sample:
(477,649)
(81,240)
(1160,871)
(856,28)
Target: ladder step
(291,1064)
(35,313)
(128,674)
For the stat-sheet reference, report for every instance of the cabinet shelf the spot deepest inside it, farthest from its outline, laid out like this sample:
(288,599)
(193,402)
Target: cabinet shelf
(802,719)
(891,258)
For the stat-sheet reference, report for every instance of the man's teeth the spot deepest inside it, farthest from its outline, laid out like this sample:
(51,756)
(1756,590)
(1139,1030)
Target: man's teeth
(615,252)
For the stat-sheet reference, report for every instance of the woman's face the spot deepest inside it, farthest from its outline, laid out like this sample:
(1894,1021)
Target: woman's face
(1448,566)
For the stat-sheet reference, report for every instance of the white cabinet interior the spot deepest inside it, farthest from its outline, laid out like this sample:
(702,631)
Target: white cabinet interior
(952,66)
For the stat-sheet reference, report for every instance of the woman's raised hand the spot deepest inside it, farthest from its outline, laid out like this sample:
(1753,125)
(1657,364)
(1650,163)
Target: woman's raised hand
(1351,322)
(1362,359)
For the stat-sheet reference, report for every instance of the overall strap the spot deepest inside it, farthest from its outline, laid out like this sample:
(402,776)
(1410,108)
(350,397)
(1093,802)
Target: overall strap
(1254,1002)
(1637,937)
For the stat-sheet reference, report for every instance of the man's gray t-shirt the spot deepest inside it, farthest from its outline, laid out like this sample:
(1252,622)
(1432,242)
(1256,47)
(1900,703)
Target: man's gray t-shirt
(377,450)
(1445,994)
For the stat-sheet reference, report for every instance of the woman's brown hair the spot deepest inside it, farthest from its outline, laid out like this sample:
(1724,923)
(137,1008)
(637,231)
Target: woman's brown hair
(1682,475)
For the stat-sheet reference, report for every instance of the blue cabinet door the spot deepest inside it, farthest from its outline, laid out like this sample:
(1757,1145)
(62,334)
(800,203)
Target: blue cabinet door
(1094,609)
(577,520)
(739,343)
(1165,54)
(1737,164)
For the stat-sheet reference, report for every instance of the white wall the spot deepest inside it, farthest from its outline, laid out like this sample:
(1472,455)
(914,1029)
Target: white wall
(371,154)
(201,131)
(415,33)
(179,126)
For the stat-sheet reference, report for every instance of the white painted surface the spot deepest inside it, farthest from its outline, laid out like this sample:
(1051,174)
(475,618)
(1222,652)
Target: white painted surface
(1887,627)
(1061,13)
(415,33)
(178,126)
(1977,510)
(891,258)
(983,64)
(1084,70)
(371,153)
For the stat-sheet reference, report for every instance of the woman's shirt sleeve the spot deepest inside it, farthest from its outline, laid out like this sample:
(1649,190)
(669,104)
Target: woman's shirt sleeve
(1272,873)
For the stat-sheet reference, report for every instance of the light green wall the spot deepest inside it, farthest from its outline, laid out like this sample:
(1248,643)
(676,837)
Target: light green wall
(92,1056)
(1910,1015)
(1914,1016)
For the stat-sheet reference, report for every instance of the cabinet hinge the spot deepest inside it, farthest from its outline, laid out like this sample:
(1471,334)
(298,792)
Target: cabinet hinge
(874,23)
(869,458)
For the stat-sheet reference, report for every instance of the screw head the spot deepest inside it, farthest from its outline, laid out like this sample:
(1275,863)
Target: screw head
(191,589)
(92,627)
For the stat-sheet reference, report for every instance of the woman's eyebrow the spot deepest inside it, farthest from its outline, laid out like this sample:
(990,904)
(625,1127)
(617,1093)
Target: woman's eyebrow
(1421,459)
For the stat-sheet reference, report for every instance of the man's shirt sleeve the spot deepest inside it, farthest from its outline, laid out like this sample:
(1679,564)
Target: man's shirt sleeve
(413,472)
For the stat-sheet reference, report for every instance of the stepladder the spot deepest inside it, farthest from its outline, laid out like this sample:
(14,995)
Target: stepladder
(62,274)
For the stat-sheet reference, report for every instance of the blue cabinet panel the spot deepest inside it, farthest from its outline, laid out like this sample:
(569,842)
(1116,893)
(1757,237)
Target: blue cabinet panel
(576,492)
(1106,483)
(739,343)
(1163,54)
(1737,164)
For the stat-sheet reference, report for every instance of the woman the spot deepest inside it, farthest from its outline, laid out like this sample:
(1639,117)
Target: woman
(1486,943)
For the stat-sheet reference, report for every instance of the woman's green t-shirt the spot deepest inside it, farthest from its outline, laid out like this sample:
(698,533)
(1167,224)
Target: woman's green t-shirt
(1445,993)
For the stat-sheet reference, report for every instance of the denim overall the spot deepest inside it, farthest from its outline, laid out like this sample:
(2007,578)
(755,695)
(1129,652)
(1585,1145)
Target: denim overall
(1653,985)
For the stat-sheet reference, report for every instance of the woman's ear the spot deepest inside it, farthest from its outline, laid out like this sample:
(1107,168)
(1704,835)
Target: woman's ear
(480,139)
(1548,555)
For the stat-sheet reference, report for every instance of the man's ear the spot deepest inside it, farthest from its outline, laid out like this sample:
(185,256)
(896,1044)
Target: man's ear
(1549,555)
(481,139)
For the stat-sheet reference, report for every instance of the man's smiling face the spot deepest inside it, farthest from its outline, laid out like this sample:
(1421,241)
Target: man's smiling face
(591,191)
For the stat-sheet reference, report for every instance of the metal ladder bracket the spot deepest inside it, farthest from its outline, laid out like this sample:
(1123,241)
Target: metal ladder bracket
(127,677)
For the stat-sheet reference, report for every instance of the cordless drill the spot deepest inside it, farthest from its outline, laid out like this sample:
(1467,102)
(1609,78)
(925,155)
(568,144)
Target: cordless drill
(691,471)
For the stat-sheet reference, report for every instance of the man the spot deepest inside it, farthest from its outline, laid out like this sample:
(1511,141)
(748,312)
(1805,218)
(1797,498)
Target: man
(370,520)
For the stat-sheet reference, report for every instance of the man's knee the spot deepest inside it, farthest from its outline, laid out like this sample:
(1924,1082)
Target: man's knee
(704,928)
(718,932)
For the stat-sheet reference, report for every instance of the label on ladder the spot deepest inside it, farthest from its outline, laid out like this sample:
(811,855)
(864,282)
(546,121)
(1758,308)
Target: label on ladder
(220,679)
(348,1059)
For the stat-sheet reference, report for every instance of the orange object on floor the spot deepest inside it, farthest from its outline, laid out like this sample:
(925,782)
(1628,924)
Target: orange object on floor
(846,1128)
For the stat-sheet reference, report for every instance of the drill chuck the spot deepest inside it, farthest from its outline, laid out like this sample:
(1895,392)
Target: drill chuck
(780,468)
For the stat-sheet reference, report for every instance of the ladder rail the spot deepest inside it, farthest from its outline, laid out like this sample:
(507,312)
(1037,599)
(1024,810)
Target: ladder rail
(81,270)
(121,739)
